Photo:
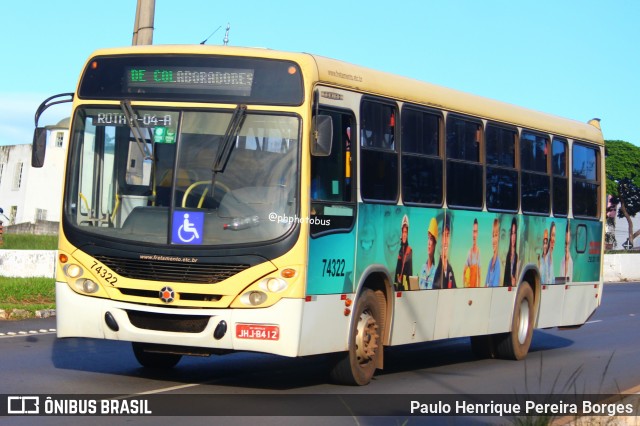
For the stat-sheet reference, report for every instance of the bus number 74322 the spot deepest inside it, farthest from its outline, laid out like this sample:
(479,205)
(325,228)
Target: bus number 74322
(333,267)
(102,272)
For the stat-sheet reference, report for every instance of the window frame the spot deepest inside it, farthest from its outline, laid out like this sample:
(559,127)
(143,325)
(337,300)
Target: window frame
(514,168)
(18,176)
(364,151)
(438,157)
(555,176)
(534,173)
(59,142)
(597,182)
(455,161)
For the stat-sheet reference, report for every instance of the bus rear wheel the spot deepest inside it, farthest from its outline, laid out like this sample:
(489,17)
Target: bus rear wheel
(358,364)
(483,346)
(155,360)
(516,343)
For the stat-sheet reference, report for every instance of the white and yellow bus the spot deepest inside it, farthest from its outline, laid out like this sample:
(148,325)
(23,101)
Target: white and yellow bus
(224,199)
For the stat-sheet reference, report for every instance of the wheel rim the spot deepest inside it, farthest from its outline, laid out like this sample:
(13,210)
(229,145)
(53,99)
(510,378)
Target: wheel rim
(523,325)
(366,338)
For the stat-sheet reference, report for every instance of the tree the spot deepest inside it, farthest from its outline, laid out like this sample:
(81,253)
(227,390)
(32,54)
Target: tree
(623,179)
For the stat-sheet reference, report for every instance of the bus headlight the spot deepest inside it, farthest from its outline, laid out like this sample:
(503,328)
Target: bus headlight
(72,270)
(253,298)
(273,285)
(87,286)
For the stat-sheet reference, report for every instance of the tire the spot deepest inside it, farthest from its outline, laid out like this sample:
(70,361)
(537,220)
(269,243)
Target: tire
(515,344)
(155,360)
(357,366)
(483,346)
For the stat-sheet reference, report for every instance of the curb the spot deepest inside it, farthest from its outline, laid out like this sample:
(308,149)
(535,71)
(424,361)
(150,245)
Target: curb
(18,314)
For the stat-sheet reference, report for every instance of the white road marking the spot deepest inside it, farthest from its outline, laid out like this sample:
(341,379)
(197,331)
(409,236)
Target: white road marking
(25,333)
(161,390)
(172,388)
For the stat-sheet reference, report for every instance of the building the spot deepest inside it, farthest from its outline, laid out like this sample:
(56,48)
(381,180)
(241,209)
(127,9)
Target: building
(30,194)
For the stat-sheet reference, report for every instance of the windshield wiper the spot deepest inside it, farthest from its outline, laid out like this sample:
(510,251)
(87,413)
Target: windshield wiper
(130,115)
(228,141)
(227,144)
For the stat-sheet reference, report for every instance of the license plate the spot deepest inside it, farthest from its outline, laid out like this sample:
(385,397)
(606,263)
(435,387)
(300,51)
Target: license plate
(257,331)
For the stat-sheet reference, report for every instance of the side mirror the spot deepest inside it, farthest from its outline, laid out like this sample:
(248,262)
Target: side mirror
(39,147)
(322,136)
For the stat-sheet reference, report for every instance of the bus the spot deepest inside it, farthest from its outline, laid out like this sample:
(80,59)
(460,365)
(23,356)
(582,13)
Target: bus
(221,199)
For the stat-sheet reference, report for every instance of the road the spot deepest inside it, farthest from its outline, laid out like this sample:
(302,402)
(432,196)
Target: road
(600,357)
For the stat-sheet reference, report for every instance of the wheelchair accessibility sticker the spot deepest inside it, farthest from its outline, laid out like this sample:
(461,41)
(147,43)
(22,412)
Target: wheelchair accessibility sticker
(187,227)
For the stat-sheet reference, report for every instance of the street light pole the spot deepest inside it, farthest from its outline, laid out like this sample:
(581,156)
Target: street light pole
(143,25)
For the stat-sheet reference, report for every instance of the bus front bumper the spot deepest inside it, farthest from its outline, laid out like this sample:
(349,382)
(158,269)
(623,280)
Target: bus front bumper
(275,329)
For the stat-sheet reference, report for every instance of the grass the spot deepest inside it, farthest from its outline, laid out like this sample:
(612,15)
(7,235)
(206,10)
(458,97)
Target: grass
(632,251)
(30,294)
(29,242)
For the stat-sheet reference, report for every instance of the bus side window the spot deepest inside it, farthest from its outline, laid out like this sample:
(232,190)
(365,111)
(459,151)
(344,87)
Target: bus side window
(331,178)
(378,155)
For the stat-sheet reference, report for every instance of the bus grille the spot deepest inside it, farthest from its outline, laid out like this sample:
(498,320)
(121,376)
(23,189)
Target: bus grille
(195,273)
(154,294)
(168,322)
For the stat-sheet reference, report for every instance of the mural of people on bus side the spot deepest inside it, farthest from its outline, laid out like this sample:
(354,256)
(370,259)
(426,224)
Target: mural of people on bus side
(511,261)
(368,238)
(552,244)
(493,270)
(566,268)
(404,265)
(544,260)
(428,272)
(387,218)
(471,273)
(445,277)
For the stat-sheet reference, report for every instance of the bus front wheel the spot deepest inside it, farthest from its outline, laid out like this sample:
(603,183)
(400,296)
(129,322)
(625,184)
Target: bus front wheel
(516,343)
(357,366)
(155,360)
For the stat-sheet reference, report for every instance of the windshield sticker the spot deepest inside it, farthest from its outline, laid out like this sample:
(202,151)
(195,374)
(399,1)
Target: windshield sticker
(187,227)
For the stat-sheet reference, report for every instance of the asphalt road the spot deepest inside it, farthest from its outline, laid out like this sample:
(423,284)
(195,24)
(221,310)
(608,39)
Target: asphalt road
(599,358)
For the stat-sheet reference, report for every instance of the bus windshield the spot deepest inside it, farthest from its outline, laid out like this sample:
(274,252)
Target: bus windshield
(177,177)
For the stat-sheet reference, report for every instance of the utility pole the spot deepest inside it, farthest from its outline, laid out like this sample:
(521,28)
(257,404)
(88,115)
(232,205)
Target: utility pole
(143,26)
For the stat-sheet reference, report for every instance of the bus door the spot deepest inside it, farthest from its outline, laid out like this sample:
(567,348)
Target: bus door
(333,210)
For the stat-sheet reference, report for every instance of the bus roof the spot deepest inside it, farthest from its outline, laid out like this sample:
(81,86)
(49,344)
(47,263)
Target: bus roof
(342,74)
(384,84)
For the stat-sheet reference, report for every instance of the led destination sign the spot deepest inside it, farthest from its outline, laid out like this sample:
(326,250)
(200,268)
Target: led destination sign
(236,82)
(192,78)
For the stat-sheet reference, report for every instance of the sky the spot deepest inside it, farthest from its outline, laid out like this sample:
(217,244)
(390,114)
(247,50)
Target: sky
(578,59)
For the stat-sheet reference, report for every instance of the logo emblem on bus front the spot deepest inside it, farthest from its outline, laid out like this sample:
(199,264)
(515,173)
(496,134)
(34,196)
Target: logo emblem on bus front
(167,295)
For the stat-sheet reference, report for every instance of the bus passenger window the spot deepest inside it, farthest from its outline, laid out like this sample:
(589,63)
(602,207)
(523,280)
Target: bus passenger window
(502,176)
(378,125)
(586,184)
(464,170)
(535,181)
(421,157)
(378,156)
(560,200)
